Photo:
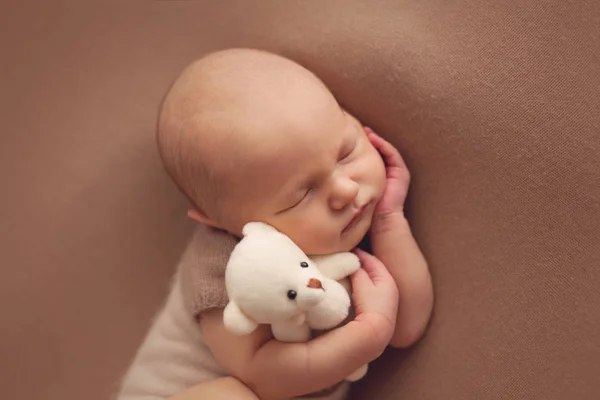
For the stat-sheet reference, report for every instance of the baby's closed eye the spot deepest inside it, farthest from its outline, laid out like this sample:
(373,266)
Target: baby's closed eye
(346,150)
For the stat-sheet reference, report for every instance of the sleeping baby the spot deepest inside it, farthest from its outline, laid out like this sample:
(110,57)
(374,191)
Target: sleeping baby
(251,136)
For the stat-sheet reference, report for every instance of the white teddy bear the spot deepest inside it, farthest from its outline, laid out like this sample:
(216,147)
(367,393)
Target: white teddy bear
(270,280)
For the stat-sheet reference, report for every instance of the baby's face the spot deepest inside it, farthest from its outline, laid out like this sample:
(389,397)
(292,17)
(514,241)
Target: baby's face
(316,178)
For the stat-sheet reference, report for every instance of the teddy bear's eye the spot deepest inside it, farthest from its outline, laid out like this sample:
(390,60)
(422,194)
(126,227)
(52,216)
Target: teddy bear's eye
(304,264)
(291,294)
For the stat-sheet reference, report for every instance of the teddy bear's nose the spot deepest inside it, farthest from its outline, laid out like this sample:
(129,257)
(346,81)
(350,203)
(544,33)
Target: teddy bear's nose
(314,284)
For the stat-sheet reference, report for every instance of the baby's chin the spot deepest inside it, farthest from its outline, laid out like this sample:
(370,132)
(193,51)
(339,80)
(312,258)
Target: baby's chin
(357,236)
(350,240)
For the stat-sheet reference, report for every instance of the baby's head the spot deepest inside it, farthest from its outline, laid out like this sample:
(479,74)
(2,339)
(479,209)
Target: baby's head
(252,136)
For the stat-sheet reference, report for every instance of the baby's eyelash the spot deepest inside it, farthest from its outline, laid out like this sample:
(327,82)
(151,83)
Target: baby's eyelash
(304,196)
(299,201)
(347,153)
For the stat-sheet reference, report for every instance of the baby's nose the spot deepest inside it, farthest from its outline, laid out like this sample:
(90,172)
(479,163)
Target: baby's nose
(314,284)
(343,192)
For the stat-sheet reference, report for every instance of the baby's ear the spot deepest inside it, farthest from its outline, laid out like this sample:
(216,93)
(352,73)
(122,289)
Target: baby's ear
(199,216)
(236,321)
(256,227)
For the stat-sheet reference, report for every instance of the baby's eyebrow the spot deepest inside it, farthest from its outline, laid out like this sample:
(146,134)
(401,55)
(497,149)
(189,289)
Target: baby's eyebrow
(354,134)
(357,124)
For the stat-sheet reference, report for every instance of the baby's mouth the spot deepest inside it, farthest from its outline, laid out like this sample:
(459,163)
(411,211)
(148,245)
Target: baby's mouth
(358,216)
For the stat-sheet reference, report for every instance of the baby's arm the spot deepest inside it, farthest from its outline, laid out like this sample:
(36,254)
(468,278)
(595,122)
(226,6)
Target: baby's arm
(276,370)
(399,252)
(393,243)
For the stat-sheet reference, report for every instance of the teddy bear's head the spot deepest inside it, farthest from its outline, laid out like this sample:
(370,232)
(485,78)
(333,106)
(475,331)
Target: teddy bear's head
(270,279)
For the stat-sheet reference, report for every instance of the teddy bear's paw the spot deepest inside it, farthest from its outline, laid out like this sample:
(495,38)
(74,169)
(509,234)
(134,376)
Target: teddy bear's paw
(337,266)
(291,332)
(236,321)
(358,374)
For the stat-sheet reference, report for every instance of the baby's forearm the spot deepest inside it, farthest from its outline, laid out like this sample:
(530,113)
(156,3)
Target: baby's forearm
(281,370)
(398,250)
(218,389)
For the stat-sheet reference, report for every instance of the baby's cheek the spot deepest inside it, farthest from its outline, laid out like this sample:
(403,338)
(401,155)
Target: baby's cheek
(376,170)
(323,241)
(381,173)
(302,231)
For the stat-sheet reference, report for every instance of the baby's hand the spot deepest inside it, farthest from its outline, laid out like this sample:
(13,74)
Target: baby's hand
(375,296)
(391,205)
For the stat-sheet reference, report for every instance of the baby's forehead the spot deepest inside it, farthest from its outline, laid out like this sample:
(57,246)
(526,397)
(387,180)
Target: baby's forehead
(269,129)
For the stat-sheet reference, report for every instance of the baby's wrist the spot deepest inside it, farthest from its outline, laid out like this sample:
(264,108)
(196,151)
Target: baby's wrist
(386,236)
(379,330)
(389,222)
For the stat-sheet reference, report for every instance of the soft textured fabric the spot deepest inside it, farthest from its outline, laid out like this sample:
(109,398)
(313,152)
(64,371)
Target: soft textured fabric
(172,357)
(494,104)
(203,270)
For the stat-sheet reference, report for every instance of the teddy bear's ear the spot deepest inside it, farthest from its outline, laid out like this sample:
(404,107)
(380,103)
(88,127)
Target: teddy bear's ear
(236,321)
(254,227)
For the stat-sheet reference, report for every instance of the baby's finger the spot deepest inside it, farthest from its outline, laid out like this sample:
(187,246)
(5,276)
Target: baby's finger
(372,266)
(360,279)
(387,150)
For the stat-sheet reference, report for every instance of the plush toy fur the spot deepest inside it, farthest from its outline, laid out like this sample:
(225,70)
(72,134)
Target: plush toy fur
(270,280)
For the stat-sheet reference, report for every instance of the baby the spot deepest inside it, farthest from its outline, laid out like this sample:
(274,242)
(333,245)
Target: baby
(252,136)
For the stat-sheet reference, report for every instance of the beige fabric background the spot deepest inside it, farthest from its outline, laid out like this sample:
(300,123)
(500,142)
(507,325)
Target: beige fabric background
(495,105)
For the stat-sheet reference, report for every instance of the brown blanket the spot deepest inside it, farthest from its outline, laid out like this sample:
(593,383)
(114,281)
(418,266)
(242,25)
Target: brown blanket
(495,106)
